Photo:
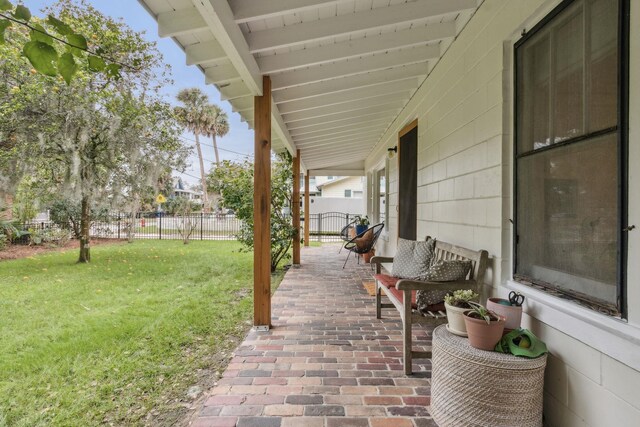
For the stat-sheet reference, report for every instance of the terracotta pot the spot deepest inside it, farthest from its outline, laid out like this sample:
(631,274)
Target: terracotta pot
(455,320)
(512,313)
(483,335)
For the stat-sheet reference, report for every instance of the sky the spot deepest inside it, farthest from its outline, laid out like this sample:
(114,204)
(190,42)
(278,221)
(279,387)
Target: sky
(240,137)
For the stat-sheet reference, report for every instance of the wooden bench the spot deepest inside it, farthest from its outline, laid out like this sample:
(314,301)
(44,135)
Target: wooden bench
(402,292)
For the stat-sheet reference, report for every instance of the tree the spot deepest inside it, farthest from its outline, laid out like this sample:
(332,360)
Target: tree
(195,116)
(234,182)
(219,127)
(84,138)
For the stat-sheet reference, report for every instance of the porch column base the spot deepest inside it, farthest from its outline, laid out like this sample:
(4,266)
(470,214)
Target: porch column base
(261,328)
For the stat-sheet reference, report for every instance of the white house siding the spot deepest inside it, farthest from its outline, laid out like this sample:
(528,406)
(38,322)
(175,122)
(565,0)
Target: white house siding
(464,112)
(336,189)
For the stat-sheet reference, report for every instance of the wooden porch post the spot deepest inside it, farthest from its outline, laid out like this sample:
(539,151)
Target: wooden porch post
(296,208)
(306,209)
(262,208)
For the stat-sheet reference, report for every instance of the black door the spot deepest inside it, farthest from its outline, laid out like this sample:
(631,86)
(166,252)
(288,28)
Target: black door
(408,184)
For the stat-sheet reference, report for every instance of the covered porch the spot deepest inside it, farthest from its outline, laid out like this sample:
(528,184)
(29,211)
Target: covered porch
(326,361)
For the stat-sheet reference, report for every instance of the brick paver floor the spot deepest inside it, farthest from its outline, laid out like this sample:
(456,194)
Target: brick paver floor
(326,362)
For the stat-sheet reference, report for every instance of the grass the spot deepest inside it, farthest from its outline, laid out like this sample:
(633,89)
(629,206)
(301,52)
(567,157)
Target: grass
(118,341)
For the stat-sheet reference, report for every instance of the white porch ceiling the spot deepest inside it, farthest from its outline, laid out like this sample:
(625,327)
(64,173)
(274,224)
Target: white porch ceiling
(341,70)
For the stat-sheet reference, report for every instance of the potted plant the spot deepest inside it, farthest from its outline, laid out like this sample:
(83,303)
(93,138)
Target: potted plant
(484,327)
(510,308)
(456,304)
(362,223)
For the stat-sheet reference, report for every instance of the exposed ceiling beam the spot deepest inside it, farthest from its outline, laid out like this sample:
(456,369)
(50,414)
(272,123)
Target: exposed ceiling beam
(297,34)
(179,22)
(219,18)
(291,120)
(281,129)
(201,53)
(233,90)
(355,66)
(344,139)
(351,82)
(348,95)
(221,74)
(254,10)
(244,103)
(358,104)
(341,116)
(348,122)
(336,172)
(343,155)
(344,131)
(379,43)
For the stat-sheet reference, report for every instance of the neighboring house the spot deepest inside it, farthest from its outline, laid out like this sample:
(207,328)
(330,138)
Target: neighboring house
(180,190)
(344,186)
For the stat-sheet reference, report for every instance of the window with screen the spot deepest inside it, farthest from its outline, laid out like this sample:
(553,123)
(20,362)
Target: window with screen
(569,154)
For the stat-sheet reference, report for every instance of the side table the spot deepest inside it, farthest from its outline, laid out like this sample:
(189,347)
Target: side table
(471,387)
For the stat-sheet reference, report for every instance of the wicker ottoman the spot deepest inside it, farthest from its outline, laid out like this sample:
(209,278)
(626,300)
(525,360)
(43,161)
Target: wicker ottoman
(471,387)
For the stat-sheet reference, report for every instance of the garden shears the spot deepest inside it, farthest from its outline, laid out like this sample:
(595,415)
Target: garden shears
(516,298)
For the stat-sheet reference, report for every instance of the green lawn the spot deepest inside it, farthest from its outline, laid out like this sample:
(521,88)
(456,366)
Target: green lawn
(122,339)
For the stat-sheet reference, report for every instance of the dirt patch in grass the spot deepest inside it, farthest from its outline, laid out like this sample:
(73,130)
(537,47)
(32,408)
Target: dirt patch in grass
(25,251)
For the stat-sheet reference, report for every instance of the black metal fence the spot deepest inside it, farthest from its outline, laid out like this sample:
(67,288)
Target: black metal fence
(323,227)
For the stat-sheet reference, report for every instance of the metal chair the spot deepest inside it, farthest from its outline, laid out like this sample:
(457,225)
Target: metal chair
(356,247)
(344,233)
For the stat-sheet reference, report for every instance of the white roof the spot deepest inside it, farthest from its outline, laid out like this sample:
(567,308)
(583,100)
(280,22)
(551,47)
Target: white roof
(341,70)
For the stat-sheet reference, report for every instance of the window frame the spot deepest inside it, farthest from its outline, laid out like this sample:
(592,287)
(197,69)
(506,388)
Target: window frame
(622,142)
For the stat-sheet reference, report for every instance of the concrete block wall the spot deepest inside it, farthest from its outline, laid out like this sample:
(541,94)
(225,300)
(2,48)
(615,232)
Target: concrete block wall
(464,112)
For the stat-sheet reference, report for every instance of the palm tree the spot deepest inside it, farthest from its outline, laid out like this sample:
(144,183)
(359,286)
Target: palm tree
(219,126)
(196,117)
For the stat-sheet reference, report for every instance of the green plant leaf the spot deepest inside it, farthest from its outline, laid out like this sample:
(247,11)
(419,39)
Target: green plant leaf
(5,5)
(4,24)
(22,12)
(39,35)
(59,26)
(67,66)
(77,40)
(113,71)
(96,63)
(42,56)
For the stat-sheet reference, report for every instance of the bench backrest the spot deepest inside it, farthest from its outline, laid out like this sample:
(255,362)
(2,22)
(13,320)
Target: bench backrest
(479,259)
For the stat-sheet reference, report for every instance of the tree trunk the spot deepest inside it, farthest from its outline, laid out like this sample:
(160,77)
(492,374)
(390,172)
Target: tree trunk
(131,233)
(85,222)
(215,149)
(203,177)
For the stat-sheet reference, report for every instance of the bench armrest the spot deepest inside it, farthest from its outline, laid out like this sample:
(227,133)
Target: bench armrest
(379,260)
(408,285)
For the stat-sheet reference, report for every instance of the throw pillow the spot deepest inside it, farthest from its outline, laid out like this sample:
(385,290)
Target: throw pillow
(362,243)
(429,300)
(441,271)
(447,271)
(413,258)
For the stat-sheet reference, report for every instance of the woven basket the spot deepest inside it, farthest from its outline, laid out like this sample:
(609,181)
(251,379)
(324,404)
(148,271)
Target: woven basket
(472,387)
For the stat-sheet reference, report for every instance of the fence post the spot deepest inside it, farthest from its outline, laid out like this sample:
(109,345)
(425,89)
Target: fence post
(201,224)
(118,226)
(160,226)
(319,227)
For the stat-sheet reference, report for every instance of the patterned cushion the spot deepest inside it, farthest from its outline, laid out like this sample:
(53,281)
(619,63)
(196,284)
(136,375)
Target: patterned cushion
(398,294)
(362,243)
(447,271)
(441,271)
(413,258)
